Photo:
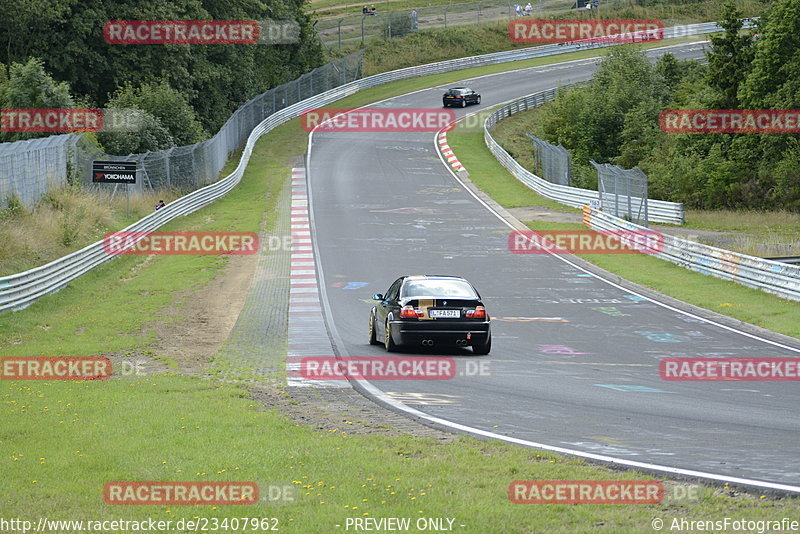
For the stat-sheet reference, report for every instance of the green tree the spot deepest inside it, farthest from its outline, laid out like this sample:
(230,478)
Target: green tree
(165,104)
(214,79)
(669,68)
(149,135)
(30,86)
(729,59)
(774,79)
(22,20)
(591,120)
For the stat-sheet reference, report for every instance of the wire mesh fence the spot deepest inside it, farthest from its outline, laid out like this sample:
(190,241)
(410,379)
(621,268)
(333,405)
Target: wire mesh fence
(362,26)
(623,192)
(551,162)
(29,168)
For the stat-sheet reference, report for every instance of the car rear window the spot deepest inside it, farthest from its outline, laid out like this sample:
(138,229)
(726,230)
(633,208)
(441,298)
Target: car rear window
(456,91)
(439,288)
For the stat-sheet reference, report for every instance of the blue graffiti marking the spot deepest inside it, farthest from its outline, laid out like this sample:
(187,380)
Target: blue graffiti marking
(635,298)
(355,285)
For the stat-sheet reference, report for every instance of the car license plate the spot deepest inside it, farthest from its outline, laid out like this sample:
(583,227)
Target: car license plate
(454,314)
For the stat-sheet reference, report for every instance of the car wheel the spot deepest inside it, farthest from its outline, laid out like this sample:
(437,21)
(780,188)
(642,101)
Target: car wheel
(463,102)
(483,348)
(478,101)
(388,342)
(373,338)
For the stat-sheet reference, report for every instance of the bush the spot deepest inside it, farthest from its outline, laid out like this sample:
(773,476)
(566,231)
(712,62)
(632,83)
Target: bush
(13,207)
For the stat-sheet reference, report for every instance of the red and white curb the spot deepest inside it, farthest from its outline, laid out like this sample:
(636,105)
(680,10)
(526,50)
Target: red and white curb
(307,333)
(447,152)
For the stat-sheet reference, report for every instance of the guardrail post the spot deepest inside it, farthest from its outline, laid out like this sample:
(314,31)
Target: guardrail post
(479,14)
(169,170)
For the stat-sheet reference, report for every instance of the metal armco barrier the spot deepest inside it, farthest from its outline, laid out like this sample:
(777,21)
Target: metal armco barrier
(20,290)
(778,278)
(659,211)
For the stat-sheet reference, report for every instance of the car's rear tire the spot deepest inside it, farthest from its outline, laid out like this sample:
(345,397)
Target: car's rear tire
(373,338)
(388,342)
(463,102)
(479,100)
(483,348)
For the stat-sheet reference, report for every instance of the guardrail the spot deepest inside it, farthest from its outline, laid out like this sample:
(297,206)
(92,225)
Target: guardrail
(786,259)
(658,210)
(20,290)
(778,278)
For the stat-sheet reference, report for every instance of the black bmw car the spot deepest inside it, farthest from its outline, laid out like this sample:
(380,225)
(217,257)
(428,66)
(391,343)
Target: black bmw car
(460,96)
(430,310)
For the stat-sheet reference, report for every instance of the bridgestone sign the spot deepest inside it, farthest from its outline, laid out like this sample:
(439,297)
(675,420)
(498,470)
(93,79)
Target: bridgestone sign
(113,172)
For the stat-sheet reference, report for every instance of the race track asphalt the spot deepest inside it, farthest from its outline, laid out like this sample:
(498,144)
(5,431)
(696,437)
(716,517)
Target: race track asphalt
(575,359)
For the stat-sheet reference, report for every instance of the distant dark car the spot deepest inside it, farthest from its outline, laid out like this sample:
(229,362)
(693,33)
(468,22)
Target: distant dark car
(460,96)
(430,310)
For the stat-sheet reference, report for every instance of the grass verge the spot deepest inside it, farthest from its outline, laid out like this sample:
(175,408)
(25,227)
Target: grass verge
(72,438)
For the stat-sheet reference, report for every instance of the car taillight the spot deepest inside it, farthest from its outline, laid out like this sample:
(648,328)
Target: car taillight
(409,311)
(458,96)
(478,313)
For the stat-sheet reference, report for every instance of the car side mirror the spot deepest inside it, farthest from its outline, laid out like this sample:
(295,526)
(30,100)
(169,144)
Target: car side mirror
(377,296)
